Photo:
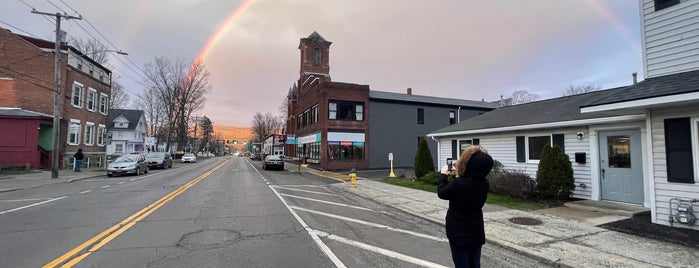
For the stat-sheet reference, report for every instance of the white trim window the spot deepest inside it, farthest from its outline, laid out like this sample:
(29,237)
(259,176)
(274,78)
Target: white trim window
(535,146)
(104,101)
(77,97)
(74,132)
(89,133)
(101,133)
(91,99)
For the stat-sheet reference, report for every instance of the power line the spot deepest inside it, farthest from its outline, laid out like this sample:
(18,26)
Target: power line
(56,6)
(18,29)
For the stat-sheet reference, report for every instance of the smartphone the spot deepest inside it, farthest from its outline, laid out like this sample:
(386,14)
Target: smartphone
(450,163)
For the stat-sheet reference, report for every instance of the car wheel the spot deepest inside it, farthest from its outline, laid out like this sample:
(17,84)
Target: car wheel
(146,171)
(170,166)
(109,175)
(138,171)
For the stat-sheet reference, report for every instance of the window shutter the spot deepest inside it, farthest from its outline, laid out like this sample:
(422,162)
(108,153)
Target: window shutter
(454,150)
(678,135)
(558,140)
(521,155)
(476,141)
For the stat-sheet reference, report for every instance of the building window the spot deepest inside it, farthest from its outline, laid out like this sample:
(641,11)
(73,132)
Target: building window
(347,110)
(103,103)
(119,148)
(420,116)
(345,150)
(463,144)
(680,163)
(91,99)
(101,133)
(536,145)
(314,111)
(77,96)
(452,117)
(89,133)
(317,56)
(298,122)
(662,4)
(74,132)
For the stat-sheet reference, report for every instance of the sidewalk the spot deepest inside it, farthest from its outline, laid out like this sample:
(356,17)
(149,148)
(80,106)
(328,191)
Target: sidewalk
(559,241)
(41,178)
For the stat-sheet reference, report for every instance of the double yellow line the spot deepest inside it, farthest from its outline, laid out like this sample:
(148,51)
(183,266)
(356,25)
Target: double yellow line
(74,256)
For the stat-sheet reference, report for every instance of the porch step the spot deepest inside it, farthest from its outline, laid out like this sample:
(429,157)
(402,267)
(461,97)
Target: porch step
(609,207)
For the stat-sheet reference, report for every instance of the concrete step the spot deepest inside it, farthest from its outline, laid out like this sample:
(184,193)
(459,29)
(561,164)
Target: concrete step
(620,209)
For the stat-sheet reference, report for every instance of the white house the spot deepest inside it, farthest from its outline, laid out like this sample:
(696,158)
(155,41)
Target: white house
(637,144)
(127,129)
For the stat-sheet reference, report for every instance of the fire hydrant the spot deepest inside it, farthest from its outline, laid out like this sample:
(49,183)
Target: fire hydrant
(353,178)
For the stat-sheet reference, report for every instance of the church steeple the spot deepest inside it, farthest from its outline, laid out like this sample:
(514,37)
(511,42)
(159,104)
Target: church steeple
(315,57)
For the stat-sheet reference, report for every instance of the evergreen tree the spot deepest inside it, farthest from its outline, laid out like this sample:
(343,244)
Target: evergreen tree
(423,159)
(554,178)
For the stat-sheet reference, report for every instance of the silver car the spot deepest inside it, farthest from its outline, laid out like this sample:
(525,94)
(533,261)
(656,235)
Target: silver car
(128,164)
(189,158)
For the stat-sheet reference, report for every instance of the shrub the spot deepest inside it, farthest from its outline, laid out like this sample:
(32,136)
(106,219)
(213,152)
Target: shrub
(497,168)
(512,183)
(431,177)
(423,159)
(554,178)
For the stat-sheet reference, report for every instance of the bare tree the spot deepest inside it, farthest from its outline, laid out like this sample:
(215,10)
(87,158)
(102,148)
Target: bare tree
(119,98)
(575,90)
(207,129)
(265,125)
(181,88)
(522,96)
(92,49)
(154,111)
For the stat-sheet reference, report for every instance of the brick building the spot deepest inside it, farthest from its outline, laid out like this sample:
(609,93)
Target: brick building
(328,122)
(27,75)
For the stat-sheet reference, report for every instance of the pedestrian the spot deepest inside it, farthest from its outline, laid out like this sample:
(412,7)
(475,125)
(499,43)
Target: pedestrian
(466,193)
(79,156)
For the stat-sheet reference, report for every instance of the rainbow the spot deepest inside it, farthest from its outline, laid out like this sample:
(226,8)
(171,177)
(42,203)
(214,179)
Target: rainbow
(221,30)
(598,6)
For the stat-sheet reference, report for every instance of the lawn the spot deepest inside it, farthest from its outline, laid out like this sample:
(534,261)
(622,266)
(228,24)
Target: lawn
(493,199)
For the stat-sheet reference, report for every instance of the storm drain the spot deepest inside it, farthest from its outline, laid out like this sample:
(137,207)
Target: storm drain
(525,221)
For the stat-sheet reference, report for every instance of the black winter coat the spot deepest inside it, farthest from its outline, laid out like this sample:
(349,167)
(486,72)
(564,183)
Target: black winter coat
(464,221)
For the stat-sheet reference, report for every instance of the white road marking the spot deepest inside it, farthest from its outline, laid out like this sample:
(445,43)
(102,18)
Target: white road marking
(327,202)
(24,200)
(121,182)
(379,250)
(306,191)
(133,179)
(376,225)
(323,247)
(84,192)
(301,185)
(35,204)
(106,186)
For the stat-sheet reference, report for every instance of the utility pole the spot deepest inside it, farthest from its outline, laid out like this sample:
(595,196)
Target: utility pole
(57,97)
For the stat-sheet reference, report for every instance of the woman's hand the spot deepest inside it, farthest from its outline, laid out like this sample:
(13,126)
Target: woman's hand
(445,170)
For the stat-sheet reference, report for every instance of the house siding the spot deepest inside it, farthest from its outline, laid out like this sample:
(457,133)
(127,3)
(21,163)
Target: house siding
(670,38)
(664,190)
(502,147)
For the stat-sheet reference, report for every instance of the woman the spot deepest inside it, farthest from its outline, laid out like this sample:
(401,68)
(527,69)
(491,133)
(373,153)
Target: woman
(466,193)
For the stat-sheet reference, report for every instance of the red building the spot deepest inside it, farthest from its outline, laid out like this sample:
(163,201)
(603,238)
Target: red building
(27,82)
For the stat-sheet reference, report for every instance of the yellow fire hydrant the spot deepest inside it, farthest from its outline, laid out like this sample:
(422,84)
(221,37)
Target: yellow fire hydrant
(353,178)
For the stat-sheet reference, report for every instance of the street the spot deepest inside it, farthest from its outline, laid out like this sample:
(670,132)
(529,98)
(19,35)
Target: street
(222,212)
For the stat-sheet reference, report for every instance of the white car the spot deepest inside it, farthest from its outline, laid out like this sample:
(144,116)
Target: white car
(189,158)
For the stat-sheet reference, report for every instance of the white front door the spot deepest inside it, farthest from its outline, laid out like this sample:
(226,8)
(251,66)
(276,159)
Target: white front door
(621,167)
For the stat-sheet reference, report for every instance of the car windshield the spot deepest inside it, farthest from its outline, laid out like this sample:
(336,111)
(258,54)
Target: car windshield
(126,159)
(274,157)
(189,155)
(156,155)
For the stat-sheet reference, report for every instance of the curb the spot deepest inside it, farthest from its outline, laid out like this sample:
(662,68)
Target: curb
(8,190)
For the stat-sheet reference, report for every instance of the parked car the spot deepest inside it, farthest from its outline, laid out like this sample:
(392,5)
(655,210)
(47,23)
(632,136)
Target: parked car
(273,161)
(128,164)
(189,158)
(159,160)
(255,156)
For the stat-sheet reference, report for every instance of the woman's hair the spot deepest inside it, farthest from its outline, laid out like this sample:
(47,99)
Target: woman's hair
(461,164)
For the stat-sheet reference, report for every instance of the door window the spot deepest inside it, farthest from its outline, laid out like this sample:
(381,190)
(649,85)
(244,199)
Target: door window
(619,151)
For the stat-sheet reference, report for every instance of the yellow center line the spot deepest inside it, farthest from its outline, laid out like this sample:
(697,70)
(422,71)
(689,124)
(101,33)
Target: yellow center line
(69,258)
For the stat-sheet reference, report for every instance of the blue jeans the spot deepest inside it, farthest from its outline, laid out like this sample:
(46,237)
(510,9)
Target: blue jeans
(465,257)
(78,165)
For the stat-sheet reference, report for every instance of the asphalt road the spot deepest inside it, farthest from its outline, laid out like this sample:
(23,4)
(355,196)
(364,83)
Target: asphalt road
(223,212)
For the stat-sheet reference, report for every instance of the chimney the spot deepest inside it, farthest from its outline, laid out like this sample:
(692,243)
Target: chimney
(410,91)
(635,79)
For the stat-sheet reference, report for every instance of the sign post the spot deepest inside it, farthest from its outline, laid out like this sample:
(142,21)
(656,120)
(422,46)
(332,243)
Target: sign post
(390,159)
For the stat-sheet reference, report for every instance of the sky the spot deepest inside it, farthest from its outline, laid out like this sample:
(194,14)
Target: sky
(475,50)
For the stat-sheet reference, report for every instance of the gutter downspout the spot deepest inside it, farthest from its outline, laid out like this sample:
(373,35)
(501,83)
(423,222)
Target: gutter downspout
(458,114)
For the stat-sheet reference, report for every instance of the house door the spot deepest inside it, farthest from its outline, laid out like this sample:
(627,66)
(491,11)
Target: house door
(621,168)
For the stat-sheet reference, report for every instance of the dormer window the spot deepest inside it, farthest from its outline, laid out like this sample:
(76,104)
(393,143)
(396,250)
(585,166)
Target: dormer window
(662,4)
(317,56)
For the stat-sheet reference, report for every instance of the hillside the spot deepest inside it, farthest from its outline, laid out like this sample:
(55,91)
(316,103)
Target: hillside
(241,134)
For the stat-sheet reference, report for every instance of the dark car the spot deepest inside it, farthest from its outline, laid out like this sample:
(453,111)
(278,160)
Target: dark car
(273,161)
(255,156)
(159,160)
(128,164)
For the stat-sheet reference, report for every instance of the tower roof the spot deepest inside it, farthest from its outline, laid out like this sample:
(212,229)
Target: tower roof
(315,38)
